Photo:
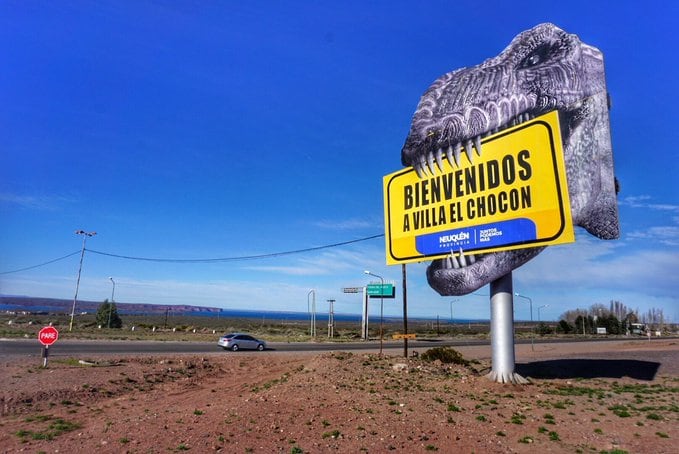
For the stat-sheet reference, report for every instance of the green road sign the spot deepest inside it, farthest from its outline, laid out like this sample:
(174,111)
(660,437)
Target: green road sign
(381,290)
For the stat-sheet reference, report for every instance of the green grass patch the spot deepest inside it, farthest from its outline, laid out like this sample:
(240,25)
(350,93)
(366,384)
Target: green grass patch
(56,427)
(620,410)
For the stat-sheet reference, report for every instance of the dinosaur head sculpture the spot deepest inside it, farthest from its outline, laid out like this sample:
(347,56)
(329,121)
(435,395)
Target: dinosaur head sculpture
(542,69)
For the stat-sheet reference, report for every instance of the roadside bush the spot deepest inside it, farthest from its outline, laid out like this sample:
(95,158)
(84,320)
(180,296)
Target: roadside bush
(564,327)
(544,329)
(446,355)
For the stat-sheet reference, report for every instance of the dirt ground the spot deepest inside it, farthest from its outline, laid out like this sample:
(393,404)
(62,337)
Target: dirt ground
(611,397)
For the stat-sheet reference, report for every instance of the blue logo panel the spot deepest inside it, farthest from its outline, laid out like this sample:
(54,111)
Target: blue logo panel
(514,231)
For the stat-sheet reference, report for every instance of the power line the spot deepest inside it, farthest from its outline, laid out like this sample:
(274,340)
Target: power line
(208,260)
(42,264)
(236,258)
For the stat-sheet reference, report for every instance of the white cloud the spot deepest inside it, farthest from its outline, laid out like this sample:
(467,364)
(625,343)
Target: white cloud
(347,224)
(597,265)
(45,203)
(643,201)
(668,235)
(330,262)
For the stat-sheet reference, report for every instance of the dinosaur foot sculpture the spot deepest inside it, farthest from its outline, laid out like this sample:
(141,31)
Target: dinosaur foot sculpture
(507,377)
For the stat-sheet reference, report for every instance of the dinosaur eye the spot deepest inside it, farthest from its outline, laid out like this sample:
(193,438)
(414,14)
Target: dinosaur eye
(538,56)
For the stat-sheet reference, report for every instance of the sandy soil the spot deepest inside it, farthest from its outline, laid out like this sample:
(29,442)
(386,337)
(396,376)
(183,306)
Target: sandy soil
(587,397)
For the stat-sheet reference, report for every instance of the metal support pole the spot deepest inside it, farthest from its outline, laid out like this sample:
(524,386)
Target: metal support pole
(312,312)
(381,305)
(45,354)
(502,332)
(381,316)
(331,319)
(364,320)
(405,312)
(313,315)
(110,306)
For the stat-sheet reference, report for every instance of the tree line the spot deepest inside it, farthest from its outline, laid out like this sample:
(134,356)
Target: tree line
(617,318)
(107,315)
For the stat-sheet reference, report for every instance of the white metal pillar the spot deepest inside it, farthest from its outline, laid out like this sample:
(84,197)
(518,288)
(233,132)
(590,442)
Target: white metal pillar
(364,319)
(502,332)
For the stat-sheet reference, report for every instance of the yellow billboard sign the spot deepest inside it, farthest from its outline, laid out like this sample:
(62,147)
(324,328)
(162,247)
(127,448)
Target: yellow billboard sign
(513,196)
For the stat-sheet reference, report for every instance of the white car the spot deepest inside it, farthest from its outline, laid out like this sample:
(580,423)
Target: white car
(236,341)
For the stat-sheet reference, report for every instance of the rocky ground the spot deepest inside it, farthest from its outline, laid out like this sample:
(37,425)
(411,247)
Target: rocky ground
(609,397)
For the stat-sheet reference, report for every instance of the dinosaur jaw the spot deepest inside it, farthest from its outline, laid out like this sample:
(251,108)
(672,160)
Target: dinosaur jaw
(427,156)
(459,275)
(542,70)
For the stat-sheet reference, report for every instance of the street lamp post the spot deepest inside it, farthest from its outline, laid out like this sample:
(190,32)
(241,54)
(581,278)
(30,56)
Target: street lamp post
(544,305)
(77,283)
(331,318)
(532,331)
(312,312)
(451,310)
(110,306)
(381,304)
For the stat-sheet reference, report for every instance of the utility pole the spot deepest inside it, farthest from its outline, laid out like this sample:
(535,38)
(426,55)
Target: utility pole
(110,306)
(331,319)
(77,283)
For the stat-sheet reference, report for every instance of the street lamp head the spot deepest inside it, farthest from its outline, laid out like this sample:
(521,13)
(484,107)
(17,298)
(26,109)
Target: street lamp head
(374,275)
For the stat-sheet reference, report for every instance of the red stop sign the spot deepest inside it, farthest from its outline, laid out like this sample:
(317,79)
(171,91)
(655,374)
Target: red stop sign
(48,335)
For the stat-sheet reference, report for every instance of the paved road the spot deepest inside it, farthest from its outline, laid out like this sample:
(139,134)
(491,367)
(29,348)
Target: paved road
(70,348)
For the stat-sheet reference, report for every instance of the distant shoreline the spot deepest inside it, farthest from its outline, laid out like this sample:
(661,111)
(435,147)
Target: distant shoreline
(40,305)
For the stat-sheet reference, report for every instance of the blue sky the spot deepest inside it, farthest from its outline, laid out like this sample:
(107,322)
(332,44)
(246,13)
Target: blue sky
(197,130)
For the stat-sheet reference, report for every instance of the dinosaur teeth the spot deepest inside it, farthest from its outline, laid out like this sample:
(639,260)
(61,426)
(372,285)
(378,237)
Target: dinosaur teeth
(451,262)
(458,152)
(450,155)
(468,151)
(430,163)
(461,261)
(420,166)
(439,159)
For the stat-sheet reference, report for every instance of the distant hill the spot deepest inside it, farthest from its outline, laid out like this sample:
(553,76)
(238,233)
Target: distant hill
(54,305)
